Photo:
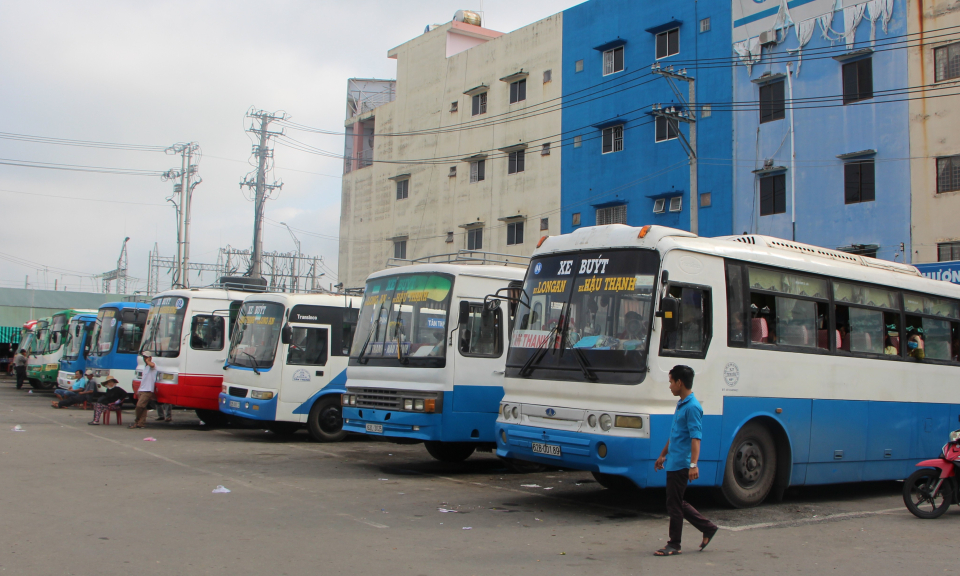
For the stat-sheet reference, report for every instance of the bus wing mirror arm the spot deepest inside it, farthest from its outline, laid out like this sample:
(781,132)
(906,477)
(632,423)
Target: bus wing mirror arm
(669,312)
(286,334)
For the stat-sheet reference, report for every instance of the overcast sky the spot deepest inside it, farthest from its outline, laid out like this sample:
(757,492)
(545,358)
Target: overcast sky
(163,72)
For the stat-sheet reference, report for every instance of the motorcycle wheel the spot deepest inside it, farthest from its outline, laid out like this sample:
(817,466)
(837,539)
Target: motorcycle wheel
(918,496)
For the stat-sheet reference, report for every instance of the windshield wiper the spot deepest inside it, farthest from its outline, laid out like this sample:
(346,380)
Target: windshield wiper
(582,361)
(537,355)
(400,356)
(363,349)
(255,362)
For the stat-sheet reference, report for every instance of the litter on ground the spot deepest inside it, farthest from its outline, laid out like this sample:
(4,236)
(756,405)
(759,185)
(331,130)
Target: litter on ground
(18,428)
(149,439)
(221,490)
(529,485)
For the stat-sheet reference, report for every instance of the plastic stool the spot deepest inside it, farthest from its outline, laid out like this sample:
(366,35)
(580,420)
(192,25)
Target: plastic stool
(106,414)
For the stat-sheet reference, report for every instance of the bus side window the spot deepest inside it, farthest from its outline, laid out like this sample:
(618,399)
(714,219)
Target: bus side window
(693,334)
(736,332)
(308,347)
(350,316)
(206,333)
(482,334)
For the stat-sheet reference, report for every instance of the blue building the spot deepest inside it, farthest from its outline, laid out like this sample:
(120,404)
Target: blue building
(621,163)
(848,184)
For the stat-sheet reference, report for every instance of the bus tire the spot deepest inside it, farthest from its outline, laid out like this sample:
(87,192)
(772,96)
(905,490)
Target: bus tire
(450,451)
(750,468)
(614,482)
(212,417)
(284,428)
(325,422)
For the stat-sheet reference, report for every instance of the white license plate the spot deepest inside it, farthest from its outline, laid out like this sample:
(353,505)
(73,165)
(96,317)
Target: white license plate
(234,404)
(375,428)
(548,449)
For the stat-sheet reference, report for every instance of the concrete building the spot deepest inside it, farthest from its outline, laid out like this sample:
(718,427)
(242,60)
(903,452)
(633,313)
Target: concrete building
(834,165)
(464,157)
(621,163)
(934,67)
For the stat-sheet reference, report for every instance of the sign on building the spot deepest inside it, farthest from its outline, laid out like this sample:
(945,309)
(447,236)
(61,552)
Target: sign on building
(943,271)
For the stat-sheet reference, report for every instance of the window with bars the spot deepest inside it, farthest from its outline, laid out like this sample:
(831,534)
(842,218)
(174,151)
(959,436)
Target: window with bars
(948,251)
(475,239)
(613,61)
(858,81)
(518,91)
(676,203)
(613,139)
(772,104)
(400,249)
(666,129)
(403,189)
(514,233)
(668,43)
(659,205)
(479,104)
(947,62)
(859,183)
(545,149)
(704,25)
(948,174)
(477,171)
(516,162)
(612,215)
(773,194)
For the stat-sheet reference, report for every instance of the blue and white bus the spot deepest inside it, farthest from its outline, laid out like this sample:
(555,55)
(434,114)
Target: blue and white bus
(115,342)
(287,364)
(423,366)
(802,356)
(76,340)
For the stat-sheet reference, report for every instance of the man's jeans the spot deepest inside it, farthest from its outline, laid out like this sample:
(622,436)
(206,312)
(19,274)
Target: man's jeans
(678,509)
(64,394)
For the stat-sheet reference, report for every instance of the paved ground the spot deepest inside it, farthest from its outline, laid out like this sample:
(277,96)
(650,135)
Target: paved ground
(79,499)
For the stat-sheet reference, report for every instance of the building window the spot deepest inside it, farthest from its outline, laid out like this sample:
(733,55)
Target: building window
(575,220)
(544,223)
(518,91)
(449,237)
(858,81)
(454,106)
(516,162)
(706,200)
(577,141)
(547,76)
(612,215)
(400,249)
(659,205)
(403,189)
(773,194)
(859,184)
(578,67)
(545,150)
(706,111)
(613,61)
(666,129)
(668,43)
(948,174)
(453,172)
(514,233)
(772,105)
(477,171)
(480,104)
(475,239)
(948,251)
(704,25)
(613,139)
(676,203)
(947,62)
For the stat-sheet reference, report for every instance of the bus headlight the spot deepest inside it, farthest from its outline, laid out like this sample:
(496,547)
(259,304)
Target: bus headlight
(628,422)
(515,412)
(224,389)
(592,420)
(606,422)
(418,404)
(408,404)
(172,378)
(348,400)
(258,395)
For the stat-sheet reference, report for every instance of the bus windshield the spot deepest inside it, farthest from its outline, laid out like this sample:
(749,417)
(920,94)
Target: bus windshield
(585,317)
(42,337)
(57,332)
(74,342)
(254,342)
(164,325)
(403,321)
(28,340)
(101,342)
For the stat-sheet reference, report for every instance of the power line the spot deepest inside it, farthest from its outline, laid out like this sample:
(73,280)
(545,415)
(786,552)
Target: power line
(80,199)
(79,143)
(79,168)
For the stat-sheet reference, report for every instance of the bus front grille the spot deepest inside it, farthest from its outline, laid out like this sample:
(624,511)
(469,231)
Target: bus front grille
(239,392)
(379,398)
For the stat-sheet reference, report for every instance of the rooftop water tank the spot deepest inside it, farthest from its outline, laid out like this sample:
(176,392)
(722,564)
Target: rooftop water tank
(467,17)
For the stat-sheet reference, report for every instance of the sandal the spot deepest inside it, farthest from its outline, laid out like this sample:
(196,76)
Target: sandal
(709,537)
(169,420)
(93,423)
(667,551)
(135,426)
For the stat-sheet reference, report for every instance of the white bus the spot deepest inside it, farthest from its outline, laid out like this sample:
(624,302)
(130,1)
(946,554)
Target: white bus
(424,366)
(287,363)
(801,355)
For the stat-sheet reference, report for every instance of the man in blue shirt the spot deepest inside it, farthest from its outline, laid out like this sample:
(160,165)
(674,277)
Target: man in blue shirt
(679,457)
(78,385)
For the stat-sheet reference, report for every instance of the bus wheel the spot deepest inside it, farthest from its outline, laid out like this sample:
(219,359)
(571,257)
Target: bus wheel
(284,428)
(450,451)
(750,468)
(614,482)
(212,417)
(325,422)
(37,385)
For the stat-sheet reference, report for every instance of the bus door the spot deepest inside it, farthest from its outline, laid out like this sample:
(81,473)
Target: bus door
(305,365)
(478,371)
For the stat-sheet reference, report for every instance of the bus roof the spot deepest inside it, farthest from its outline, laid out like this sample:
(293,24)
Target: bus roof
(73,312)
(755,248)
(123,305)
(211,293)
(324,299)
(501,272)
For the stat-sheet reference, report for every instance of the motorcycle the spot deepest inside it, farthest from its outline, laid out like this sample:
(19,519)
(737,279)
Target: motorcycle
(928,492)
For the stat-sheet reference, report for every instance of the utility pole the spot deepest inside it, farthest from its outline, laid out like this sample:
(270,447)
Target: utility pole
(184,190)
(261,189)
(689,116)
(793,156)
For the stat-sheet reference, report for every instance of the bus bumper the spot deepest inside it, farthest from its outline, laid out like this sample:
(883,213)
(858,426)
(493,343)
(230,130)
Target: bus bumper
(248,407)
(409,425)
(625,456)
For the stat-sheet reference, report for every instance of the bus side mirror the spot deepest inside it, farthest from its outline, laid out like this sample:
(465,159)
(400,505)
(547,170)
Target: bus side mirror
(464,313)
(491,305)
(286,334)
(670,313)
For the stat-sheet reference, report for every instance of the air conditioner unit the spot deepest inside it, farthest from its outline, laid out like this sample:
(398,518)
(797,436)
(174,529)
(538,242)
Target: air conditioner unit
(768,37)
(658,205)
(676,203)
